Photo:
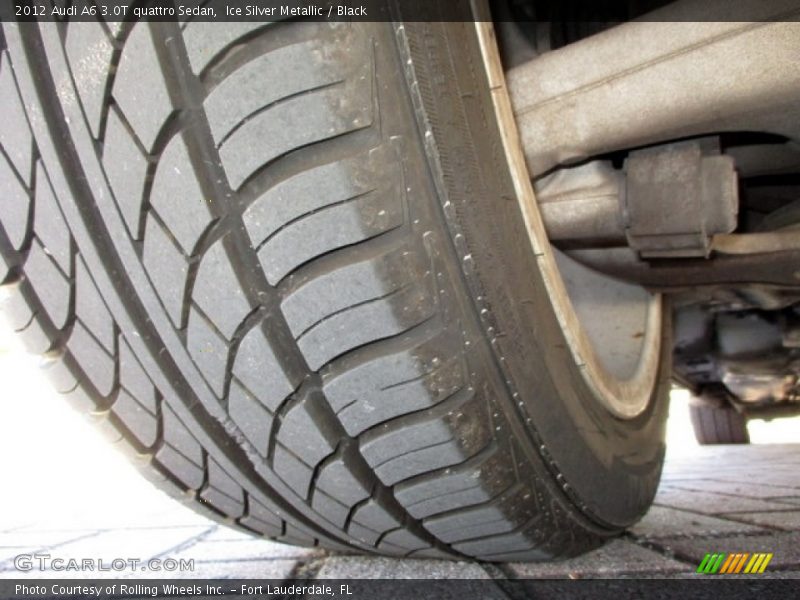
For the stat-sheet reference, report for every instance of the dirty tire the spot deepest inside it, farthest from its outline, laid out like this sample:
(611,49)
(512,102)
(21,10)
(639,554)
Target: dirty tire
(718,425)
(284,265)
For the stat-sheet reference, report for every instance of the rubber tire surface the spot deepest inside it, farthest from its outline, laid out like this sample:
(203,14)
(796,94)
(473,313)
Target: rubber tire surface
(718,425)
(285,265)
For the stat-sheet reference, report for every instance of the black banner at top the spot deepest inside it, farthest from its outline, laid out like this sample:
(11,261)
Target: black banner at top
(573,11)
(188,10)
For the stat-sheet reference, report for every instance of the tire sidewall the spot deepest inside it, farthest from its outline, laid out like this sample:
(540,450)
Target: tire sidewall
(607,467)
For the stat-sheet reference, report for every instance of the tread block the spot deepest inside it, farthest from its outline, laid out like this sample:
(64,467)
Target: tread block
(257,368)
(425,443)
(316,188)
(291,222)
(80,400)
(167,268)
(292,470)
(366,322)
(103,425)
(296,535)
(141,422)
(338,482)
(218,293)
(180,453)
(500,545)
(419,460)
(139,86)
(89,52)
(20,316)
(374,517)
(404,539)
(50,285)
(335,291)
(254,421)
(396,384)
(134,379)
(177,197)
(15,135)
(356,304)
(208,350)
(544,536)
(35,339)
(272,77)
(90,308)
(432,553)
(92,358)
(485,520)
(126,168)
(299,120)
(16,205)
(180,467)
(179,437)
(304,431)
(49,224)
(15,309)
(363,534)
(462,487)
(261,519)
(59,374)
(333,511)
(222,492)
(311,236)
(204,40)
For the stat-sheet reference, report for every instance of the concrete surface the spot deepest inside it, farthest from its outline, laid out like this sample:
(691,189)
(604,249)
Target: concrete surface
(718,499)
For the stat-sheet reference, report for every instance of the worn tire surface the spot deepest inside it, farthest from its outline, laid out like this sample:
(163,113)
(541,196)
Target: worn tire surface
(718,425)
(283,265)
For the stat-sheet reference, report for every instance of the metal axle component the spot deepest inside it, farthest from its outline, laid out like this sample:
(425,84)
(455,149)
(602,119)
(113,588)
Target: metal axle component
(778,268)
(583,206)
(697,69)
(668,203)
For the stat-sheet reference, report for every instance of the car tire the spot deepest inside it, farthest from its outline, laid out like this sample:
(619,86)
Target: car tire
(718,425)
(285,266)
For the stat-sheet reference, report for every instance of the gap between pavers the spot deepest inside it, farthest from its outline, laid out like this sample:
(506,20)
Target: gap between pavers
(366,567)
(784,546)
(664,521)
(786,520)
(712,504)
(618,556)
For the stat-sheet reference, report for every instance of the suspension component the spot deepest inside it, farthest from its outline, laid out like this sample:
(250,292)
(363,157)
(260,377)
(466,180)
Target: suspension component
(668,203)
(698,68)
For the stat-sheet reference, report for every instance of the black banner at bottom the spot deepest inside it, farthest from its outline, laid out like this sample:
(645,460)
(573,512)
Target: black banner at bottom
(398,589)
